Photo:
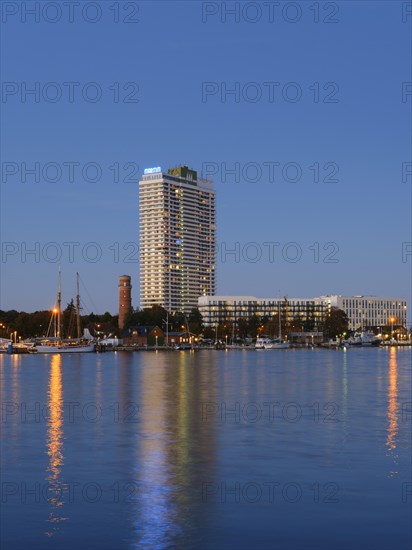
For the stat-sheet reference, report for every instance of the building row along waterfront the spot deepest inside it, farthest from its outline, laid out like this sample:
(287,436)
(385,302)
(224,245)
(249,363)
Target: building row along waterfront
(362,311)
(370,311)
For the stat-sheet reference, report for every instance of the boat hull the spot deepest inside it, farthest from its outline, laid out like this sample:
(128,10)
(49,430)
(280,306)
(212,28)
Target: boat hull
(90,348)
(266,343)
(364,339)
(284,345)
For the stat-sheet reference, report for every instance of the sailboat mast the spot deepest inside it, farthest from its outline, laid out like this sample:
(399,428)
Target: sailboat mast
(78,307)
(59,306)
(280,324)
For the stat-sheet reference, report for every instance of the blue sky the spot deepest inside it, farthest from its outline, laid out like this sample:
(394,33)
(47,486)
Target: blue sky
(163,60)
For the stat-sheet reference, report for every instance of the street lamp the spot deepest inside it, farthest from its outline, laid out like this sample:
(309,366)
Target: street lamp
(392,319)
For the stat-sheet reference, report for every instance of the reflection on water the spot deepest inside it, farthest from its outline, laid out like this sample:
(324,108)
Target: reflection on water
(345,388)
(393,405)
(392,401)
(99,431)
(172,437)
(55,444)
(152,450)
(156,516)
(15,382)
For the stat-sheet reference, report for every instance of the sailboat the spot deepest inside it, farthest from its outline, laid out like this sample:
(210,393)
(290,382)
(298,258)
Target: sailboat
(56,344)
(277,343)
(232,344)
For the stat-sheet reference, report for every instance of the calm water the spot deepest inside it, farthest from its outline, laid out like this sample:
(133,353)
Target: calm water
(295,449)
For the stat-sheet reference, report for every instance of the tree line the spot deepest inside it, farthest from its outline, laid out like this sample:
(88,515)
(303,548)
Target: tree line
(335,323)
(40,323)
(158,315)
(37,324)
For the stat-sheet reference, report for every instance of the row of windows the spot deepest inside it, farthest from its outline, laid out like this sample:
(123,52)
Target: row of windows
(371,304)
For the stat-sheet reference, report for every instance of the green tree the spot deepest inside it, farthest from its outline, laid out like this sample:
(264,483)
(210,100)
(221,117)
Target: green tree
(154,315)
(177,321)
(242,327)
(308,325)
(69,320)
(296,324)
(209,333)
(335,323)
(195,321)
(253,325)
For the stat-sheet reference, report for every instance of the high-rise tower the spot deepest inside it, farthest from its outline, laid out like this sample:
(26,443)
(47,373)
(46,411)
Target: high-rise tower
(177,238)
(125,299)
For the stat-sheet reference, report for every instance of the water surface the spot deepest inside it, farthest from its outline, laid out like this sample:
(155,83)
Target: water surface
(285,449)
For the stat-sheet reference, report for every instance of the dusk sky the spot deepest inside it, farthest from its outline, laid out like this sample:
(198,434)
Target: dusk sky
(327,101)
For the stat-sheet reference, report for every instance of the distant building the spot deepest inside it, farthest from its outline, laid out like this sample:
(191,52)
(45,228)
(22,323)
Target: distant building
(217,309)
(306,338)
(144,336)
(176,338)
(177,238)
(125,299)
(362,311)
(370,311)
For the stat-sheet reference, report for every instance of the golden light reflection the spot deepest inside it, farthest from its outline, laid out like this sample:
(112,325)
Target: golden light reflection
(15,360)
(171,389)
(345,390)
(11,377)
(99,431)
(55,442)
(345,380)
(393,404)
(182,412)
(155,487)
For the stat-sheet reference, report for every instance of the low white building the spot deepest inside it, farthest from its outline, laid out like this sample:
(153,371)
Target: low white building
(362,311)
(370,311)
(217,309)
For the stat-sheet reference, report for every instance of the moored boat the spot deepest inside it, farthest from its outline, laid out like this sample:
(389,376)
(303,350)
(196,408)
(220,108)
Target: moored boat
(64,347)
(278,344)
(266,343)
(263,342)
(363,339)
(57,344)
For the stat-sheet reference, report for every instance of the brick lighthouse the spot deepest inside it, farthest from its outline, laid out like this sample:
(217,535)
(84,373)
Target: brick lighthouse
(125,299)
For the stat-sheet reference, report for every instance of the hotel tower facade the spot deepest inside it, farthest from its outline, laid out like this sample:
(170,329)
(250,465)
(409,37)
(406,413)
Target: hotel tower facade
(177,238)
